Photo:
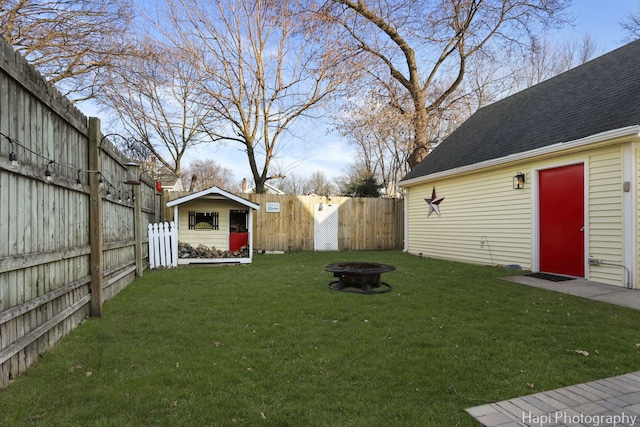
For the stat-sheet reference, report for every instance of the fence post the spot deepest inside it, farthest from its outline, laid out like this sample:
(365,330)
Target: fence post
(152,245)
(167,244)
(95,217)
(137,224)
(162,243)
(174,243)
(156,246)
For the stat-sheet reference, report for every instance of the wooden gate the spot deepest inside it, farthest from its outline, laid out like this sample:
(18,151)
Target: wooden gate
(163,245)
(325,227)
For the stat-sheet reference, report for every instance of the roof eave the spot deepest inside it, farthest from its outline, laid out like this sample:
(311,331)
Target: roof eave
(629,131)
(213,190)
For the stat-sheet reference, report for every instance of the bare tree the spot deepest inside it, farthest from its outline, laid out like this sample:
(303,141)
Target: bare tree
(260,75)
(545,59)
(202,174)
(426,45)
(382,134)
(631,25)
(292,184)
(377,122)
(157,99)
(317,183)
(380,124)
(70,42)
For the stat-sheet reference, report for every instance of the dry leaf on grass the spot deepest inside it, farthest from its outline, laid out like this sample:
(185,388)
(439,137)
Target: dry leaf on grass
(582,352)
(73,368)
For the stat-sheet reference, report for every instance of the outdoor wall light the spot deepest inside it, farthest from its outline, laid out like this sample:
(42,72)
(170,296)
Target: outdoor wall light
(518,181)
(13,157)
(132,168)
(47,173)
(132,174)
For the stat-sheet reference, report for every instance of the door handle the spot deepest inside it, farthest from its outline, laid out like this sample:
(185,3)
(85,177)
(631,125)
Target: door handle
(581,228)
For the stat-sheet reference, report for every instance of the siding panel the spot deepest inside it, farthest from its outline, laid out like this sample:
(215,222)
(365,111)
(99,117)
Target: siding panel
(636,185)
(483,207)
(480,207)
(605,224)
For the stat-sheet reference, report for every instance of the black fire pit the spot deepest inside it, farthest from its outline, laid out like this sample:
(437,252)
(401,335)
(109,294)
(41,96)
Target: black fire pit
(359,277)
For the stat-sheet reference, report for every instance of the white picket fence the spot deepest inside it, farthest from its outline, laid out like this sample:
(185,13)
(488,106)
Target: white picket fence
(163,245)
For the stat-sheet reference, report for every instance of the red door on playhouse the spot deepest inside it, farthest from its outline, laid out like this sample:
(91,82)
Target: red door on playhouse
(561,204)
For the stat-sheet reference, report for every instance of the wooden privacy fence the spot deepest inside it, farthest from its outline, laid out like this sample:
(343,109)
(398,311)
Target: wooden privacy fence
(363,223)
(69,244)
(163,245)
(289,222)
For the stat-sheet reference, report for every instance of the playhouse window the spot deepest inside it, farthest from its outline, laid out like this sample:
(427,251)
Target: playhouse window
(203,220)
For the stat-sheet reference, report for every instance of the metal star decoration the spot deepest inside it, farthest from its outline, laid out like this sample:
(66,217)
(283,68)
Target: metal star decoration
(434,203)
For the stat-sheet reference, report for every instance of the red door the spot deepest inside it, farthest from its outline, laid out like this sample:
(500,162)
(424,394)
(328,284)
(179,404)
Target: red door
(238,232)
(561,216)
(238,240)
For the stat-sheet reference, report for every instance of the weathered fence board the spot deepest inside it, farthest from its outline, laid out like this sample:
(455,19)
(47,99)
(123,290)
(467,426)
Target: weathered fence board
(47,241)
(363,223)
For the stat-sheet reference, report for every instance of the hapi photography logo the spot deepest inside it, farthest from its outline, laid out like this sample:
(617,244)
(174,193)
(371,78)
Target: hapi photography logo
(553,418)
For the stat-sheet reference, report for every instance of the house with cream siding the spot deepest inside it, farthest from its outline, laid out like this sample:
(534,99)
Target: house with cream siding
(546,179)
(216,219)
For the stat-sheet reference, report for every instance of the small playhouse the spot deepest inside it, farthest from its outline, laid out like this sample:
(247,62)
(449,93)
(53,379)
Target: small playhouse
(214,220)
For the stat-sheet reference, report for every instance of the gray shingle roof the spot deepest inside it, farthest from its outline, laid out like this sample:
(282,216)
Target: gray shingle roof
(598,96)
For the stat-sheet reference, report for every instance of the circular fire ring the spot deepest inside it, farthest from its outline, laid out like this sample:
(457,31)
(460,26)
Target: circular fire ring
(359,277)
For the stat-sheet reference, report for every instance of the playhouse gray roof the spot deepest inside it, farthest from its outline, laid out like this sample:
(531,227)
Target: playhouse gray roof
(598,96)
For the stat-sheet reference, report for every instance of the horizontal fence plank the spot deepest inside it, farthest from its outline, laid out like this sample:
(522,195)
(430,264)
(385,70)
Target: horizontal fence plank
(19,345)
(15,262)
(125,271)
(33,304)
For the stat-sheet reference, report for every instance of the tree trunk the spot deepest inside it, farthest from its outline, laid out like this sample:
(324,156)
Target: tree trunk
(420,147)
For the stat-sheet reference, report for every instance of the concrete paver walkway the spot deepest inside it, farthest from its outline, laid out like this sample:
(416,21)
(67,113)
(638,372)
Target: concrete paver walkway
(579,287)
(607,402)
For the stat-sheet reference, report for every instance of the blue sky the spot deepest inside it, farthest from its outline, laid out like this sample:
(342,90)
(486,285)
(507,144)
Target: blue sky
(601,19)
(330,154)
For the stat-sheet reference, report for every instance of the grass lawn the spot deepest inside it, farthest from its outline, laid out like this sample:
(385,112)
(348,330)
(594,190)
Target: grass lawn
(269,344)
